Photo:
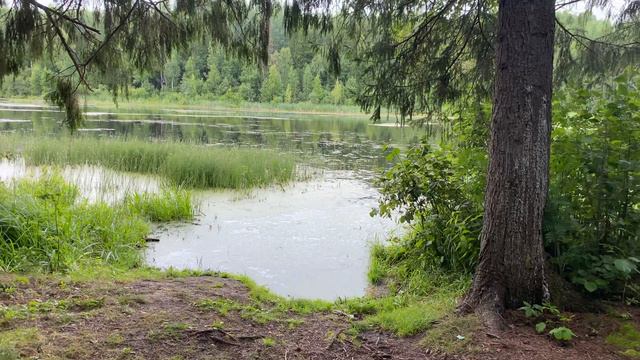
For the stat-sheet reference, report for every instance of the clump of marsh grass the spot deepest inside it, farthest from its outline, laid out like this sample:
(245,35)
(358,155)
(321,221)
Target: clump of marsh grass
(182,164)
(168,205)
(44,225)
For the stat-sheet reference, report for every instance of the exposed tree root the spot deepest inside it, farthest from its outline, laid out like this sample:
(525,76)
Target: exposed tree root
(488,305)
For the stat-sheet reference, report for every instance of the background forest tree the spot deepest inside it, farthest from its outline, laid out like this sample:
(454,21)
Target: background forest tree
(202,69)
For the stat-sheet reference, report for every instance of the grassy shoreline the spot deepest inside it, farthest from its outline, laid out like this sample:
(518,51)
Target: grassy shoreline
(45,225)
(167,103)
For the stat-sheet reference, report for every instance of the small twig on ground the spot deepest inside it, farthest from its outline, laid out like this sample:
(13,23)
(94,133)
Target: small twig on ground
(226,333)
(210,333)
(250,337)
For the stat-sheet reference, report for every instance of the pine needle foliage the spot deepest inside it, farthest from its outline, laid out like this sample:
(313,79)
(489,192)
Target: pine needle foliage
(111,38)
(419,56)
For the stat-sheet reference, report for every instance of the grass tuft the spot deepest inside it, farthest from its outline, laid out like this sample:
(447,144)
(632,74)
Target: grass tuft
(418,293)
(222,306)
(88,304)
(169,205)
(417,315)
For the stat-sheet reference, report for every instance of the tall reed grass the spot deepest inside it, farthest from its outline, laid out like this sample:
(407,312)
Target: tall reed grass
(168,205)
(44,225)
(186,165)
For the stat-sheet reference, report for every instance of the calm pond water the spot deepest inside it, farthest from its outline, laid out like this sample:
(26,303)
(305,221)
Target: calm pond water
(309,239)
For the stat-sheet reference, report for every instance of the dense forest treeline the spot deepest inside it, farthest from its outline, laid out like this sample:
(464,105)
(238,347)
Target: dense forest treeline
(298,72)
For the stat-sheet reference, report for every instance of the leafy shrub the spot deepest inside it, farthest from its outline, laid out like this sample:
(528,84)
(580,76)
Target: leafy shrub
(592,220)
(437,195)
(562,333)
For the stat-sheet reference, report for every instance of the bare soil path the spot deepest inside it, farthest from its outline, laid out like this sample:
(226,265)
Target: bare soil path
(212,317)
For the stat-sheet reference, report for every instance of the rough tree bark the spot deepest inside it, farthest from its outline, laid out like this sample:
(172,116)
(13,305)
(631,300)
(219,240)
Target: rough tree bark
(511,263)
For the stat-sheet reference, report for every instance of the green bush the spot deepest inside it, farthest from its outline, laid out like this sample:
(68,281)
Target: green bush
(438,195)
(592,218)
(592,222)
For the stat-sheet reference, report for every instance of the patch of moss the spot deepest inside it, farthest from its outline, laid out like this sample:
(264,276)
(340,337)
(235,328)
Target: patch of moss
(15,344)
(258,311)
(43,307)
(631,353)
(294,323)
(627,339)
(115,339)
(88,304)
(412,316)
(76,351)
(452,335)
(260,315)
(33,308)
(8,353)
(167,330)
(269,342)
(173,329)
(21,280)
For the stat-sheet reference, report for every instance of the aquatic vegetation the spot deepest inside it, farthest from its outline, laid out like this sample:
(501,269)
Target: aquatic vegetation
(182,164)
(169,205)
(44,225)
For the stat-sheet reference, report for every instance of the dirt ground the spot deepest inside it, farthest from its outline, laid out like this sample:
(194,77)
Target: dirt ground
(215,318)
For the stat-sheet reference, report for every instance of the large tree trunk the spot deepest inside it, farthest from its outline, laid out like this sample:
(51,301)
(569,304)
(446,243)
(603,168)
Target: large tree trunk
(511,264)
